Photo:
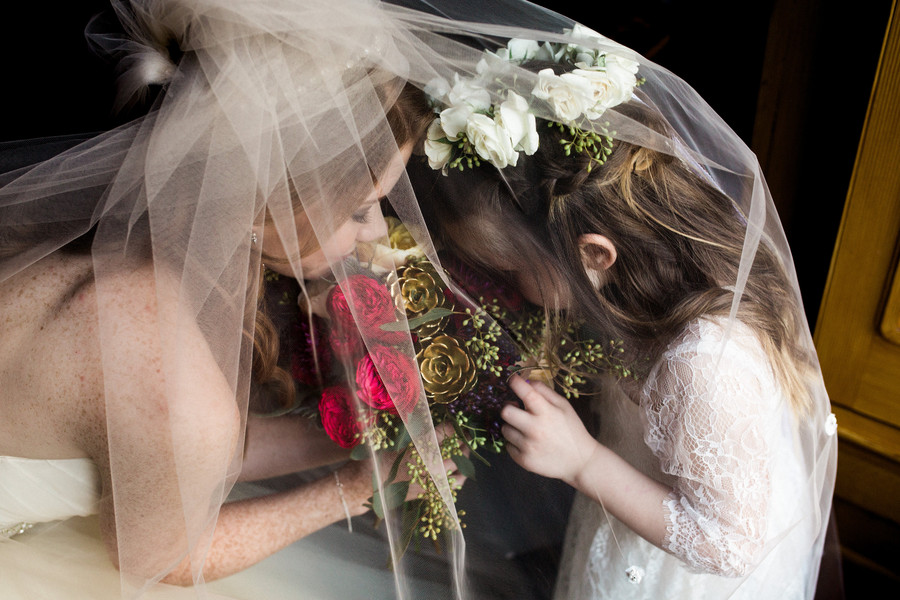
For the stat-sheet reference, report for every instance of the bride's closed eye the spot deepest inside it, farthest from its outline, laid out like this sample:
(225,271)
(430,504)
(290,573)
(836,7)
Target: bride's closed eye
(363,215)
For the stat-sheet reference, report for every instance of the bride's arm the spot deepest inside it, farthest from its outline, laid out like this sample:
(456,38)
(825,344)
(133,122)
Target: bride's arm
(288,444)
(248,531)
(171,430)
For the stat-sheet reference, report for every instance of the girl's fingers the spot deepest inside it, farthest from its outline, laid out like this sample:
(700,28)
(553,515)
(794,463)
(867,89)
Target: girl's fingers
(548,394)
(512,435)
(532,400)
(515,416)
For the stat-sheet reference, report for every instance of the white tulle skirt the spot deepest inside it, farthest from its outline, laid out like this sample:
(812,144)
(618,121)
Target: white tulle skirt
(68,561)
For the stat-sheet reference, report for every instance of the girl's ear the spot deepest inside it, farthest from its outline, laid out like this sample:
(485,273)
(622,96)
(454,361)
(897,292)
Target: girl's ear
(597,255)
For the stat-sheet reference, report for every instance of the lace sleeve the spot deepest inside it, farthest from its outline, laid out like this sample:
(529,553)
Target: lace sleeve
(710,414)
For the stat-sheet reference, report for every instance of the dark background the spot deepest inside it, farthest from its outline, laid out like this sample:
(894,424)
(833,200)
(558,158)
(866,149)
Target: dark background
(54,85)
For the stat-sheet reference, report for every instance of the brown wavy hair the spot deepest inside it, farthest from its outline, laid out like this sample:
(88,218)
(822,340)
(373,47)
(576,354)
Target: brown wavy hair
(679,242)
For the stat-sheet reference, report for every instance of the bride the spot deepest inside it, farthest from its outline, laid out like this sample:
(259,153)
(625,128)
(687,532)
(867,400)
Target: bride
(130,267)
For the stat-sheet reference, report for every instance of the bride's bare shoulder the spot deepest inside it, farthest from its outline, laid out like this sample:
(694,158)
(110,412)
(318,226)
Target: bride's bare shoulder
(53,363)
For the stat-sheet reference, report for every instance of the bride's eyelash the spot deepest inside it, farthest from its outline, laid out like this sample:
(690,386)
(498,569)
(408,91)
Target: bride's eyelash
(363,216)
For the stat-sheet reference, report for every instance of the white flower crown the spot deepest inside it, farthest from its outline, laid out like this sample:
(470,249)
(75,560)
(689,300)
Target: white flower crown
(470,128)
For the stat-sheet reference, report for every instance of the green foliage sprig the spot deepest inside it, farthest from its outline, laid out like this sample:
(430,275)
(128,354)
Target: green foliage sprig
(597,145)
(482,345)
(580,358)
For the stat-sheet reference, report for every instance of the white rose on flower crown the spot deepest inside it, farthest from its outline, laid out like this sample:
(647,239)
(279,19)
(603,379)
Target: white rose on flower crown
(570,95)
(437,89)
(609,88)
(623,71)
(491,141)
(586,33)
(455,119)
(469,91)
(438,152)
(519,50)
(519,123)
(617,61)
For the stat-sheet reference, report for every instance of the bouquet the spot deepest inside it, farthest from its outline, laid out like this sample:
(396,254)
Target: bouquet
(465,351)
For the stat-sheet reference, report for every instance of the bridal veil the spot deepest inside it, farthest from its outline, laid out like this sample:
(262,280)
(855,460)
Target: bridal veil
(273,113)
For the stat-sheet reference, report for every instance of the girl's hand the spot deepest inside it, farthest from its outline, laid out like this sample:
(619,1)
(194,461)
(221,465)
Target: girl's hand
(547,437)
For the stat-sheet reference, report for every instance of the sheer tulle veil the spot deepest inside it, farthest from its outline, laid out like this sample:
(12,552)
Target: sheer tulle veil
(273,114)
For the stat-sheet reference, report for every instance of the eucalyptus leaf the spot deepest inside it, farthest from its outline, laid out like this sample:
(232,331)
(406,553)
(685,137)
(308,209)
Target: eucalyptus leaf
(395,467)
(377,508)
(394,495)
(359,452)
(466,467)
(403,438)
(412,512)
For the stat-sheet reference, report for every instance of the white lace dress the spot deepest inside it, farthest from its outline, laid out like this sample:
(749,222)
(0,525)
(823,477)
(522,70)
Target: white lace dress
(714,425)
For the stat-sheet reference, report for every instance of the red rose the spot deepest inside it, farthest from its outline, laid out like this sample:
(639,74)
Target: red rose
(398,391)
(371,300)
(346,343)
(338,416)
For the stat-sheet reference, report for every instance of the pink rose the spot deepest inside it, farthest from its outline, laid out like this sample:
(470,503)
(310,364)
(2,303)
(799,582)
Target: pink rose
(338,416)
(401,377)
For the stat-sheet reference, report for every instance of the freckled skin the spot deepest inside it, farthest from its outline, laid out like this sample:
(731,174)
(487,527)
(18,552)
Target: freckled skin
(53,405)
(56,387)
(47,333)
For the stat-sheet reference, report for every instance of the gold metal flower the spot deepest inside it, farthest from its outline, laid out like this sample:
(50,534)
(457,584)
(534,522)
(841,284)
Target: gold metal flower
(447,369)
(422,291)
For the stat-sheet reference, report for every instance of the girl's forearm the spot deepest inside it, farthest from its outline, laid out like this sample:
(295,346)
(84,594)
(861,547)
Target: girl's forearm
(626,493)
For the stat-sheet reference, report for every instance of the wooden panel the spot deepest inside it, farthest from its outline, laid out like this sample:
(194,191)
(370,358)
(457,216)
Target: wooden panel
(890,321)
(861,366)
(877,437)
(868,480)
